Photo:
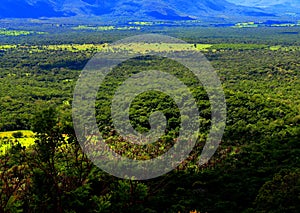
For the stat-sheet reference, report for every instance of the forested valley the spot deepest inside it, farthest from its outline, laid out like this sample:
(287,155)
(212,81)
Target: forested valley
(255,168)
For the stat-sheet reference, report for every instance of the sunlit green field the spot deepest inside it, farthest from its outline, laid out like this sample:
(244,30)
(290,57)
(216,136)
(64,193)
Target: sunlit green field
(7,46)
(76,47)
(8,32)
(105,28)
(7,138)
(143,48)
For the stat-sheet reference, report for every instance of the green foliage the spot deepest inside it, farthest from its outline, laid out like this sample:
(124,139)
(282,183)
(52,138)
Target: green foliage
(102,203)
(255,168)
(281,194)
(17,134)
(128,196)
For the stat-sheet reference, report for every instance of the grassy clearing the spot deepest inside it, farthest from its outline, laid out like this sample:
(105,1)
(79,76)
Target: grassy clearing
(148,47)
(229,46)
(26,133)
(7,46)
(165,47)
(7,139)
(76,47)
(274,48)
(61,47)
(105,28)
(133,47)
(203,47)
(289,48)
(246,25)
(7,32)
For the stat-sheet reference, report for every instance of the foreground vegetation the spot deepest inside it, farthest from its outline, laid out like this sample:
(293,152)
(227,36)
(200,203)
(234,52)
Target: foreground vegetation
(255,169)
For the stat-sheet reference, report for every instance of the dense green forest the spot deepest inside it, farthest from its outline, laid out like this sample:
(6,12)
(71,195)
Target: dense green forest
(255,169)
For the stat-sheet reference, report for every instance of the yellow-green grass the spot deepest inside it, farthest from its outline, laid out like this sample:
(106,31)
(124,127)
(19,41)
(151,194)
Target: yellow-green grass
(274,48)
(27,139)
(14,32)
(285,48)
(167,47)
(150,47)
(246,24)
(8,32)
(134,47)
(203,47)
(26,133)
(64,47)
(146,47)
(7,46)
(76,47)
(105,28)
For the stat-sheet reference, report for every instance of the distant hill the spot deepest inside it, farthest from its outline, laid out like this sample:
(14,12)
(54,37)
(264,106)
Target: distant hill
(136,9)
(280,7)
(265,3)
(30,9)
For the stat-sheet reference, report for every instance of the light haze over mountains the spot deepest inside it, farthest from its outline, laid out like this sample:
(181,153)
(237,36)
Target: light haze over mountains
(152,9)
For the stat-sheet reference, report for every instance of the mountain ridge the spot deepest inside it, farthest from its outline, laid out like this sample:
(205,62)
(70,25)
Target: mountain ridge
(132,9)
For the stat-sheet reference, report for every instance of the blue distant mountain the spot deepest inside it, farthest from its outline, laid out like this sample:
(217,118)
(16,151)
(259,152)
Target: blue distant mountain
(29,9)
(274,6)
(139,9)
(266,3)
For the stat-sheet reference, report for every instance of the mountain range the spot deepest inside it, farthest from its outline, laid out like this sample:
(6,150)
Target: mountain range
(277,6)
(151,9)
